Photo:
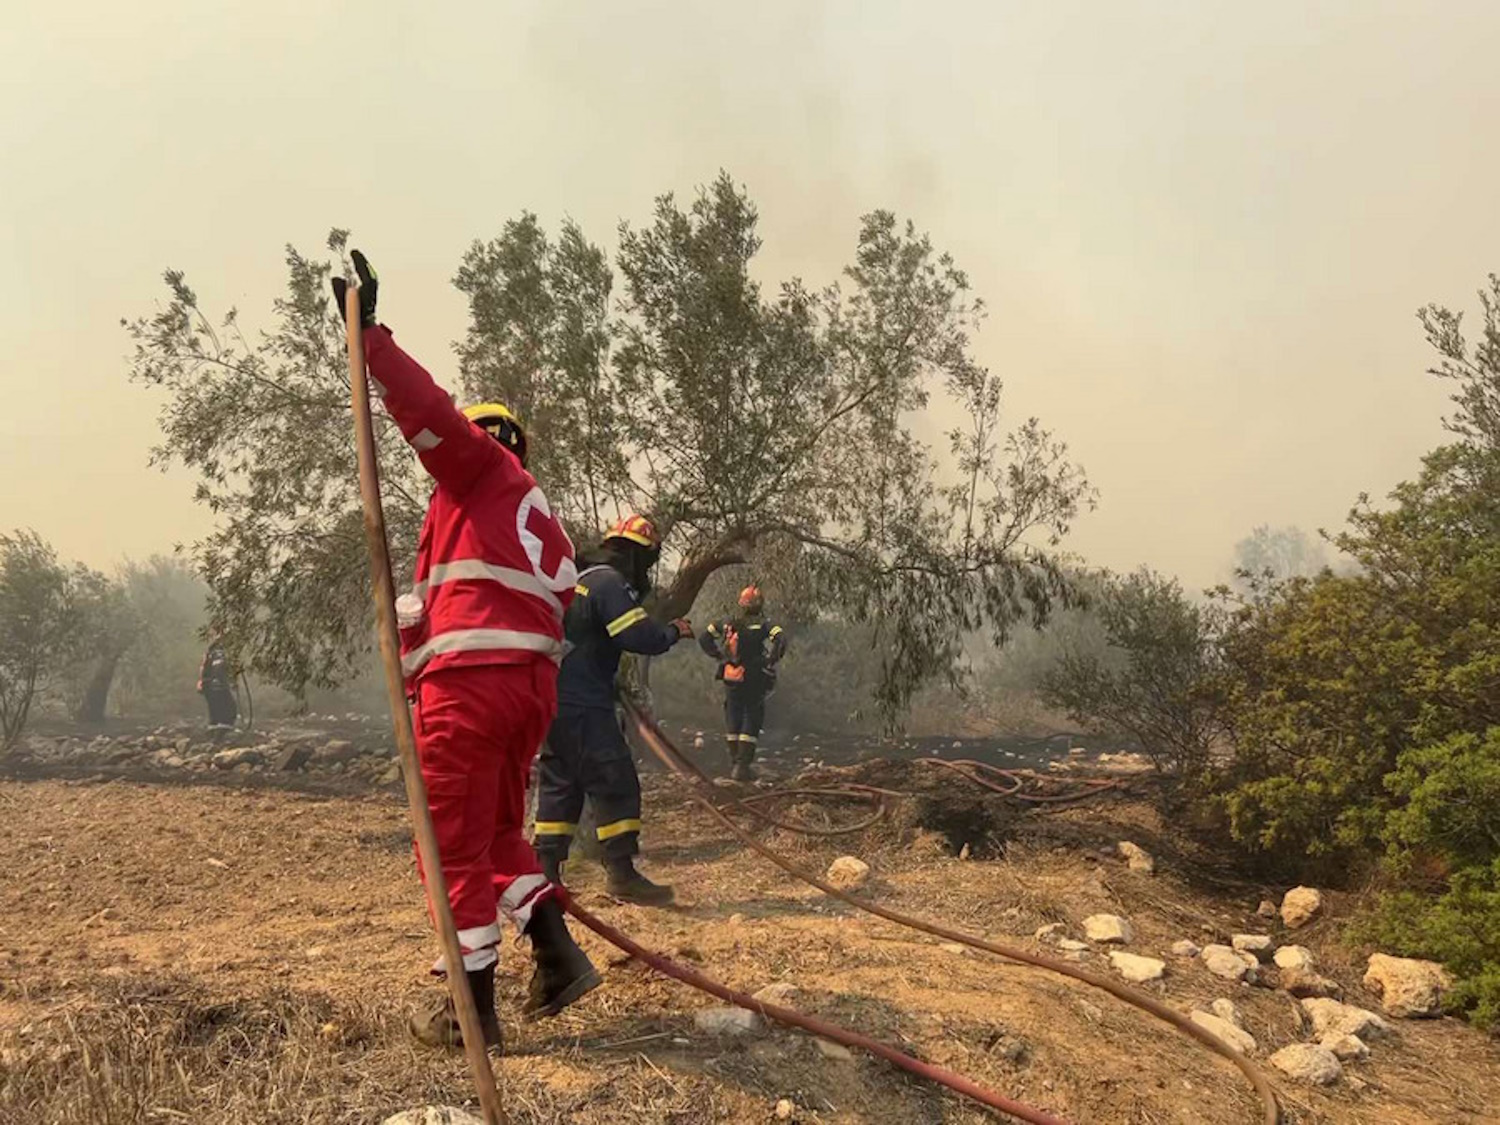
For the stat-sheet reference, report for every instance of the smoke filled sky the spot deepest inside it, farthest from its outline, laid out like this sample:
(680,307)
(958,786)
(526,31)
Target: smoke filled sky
(1202,227)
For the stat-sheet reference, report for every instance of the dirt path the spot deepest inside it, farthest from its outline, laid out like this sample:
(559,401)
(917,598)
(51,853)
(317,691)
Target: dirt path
(209,954)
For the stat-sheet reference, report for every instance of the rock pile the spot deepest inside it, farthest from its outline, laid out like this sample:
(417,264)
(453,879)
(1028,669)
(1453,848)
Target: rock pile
(190,748)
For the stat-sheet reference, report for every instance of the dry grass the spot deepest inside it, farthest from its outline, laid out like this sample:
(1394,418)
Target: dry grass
(207,955)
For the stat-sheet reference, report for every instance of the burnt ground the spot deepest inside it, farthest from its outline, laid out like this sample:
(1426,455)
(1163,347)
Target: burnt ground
(230,952)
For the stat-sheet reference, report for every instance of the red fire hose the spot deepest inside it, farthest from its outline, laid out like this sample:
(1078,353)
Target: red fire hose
(789,1016)
(670,756)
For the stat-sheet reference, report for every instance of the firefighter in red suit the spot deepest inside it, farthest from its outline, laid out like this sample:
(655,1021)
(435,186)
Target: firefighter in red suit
(481,639)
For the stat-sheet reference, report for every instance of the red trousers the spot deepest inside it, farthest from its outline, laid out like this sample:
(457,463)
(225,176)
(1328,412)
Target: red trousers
(478,729)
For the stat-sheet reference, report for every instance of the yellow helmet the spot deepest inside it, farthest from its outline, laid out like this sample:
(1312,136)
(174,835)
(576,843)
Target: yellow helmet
(495,419)
(635,529)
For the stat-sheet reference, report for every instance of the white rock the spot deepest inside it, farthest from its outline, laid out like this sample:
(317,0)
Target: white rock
(1308,1062)
(1137,970)
(1225,1010)
(1072,945)
(848,873)
(954,948)
(1301,905)
(1346,1047)
(1225,962)
(1238,1038)
(1107,928)
(836,1051)
(1329,1016)
(1266,909)
(1260,945)
(1408,988)
(1186,948)
(728,1021)
(1052,931)
(1294,957)
(1137,858)
(433,1115)
(784,1108)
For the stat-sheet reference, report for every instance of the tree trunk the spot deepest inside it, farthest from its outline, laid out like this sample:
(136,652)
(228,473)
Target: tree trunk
(96,695)
(696,569)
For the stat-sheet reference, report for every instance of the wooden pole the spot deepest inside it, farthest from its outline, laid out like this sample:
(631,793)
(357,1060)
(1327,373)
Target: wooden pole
(406,743)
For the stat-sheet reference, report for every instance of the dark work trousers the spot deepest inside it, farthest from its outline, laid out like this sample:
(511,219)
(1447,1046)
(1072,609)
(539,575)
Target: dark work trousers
(744,714)
(586,755)
(222,709)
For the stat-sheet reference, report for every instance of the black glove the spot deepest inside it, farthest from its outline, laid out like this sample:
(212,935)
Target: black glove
(369,284)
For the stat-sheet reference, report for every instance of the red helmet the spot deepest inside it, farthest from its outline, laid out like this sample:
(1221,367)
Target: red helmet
(750,598)
(635,529)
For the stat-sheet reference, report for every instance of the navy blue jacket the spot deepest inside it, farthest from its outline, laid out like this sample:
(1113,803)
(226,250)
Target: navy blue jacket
(605,619)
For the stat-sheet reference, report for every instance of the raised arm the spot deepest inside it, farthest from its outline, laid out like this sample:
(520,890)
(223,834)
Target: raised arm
(452,449)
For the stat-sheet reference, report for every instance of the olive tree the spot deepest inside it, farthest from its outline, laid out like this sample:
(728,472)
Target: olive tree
(758,423)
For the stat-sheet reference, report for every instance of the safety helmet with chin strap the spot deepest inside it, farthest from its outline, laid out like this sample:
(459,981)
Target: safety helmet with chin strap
(495,419)
(635,529)
(635,541)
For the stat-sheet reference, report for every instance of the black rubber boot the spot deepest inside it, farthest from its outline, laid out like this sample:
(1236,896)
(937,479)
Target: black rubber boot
(742,764)
(438,1026)
(563,971)
(734,756)
(629,885)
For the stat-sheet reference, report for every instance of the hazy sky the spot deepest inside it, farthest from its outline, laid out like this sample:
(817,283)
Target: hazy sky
(1202,227)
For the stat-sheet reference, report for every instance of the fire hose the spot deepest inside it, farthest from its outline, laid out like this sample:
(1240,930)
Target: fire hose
(658,743)
(1014,780)
(820,1028)
(249,701)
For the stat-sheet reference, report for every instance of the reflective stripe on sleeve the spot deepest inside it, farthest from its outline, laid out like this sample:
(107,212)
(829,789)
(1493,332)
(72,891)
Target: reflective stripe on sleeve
(625,621)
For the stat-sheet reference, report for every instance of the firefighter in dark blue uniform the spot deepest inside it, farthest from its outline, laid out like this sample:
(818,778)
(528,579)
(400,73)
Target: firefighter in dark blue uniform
(747,649)
(216,685)
(585,754)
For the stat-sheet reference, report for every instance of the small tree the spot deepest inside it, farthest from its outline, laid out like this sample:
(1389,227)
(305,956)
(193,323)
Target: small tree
(1278,554)
(107,628)
(39,624)
(167,604)
(761,426)
(266,425)
(1152,683)
(1474,368)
